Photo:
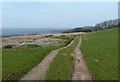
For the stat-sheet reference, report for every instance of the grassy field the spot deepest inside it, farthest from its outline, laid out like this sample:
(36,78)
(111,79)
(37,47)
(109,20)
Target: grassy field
(17,61)
(61,66)
(100,51)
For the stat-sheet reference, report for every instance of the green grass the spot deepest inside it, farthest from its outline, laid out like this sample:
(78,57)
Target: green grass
(61,66)
(17,61)
(101,46)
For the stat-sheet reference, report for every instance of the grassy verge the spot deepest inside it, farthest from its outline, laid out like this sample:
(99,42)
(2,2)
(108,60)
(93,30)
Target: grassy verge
(61,66)
(100,51)
(17,61)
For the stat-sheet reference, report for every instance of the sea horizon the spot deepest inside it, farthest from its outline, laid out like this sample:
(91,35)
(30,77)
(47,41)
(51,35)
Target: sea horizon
(10,32)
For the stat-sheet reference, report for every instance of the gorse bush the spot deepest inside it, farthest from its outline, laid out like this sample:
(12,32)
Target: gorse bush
(32,45)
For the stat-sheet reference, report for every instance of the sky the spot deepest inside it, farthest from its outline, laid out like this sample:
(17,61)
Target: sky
(56,14)
(60,0)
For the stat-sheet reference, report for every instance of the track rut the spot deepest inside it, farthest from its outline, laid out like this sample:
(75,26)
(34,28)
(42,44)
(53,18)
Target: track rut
(80,70)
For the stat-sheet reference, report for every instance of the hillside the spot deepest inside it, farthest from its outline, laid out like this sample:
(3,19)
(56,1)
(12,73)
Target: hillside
(100,51)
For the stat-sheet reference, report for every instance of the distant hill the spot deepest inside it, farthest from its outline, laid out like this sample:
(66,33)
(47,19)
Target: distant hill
(79,29)
(100,26)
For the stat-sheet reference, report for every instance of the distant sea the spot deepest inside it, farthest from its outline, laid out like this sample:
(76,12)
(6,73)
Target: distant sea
(10,32)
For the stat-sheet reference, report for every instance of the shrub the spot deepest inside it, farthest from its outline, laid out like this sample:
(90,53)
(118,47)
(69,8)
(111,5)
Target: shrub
(8,46)
(32,45)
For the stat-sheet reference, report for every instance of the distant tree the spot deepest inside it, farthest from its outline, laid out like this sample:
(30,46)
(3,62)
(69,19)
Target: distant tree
(87,30)
(118,22)
(105,25)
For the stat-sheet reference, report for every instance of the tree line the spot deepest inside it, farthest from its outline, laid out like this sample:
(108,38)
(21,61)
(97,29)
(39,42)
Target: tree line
(100,26)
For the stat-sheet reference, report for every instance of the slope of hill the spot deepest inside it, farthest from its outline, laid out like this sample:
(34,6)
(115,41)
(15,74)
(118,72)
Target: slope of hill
(100,51)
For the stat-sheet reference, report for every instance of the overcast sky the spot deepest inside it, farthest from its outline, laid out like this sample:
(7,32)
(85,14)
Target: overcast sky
(56,14)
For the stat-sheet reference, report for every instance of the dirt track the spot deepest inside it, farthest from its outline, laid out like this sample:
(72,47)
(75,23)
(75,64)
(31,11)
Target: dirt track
(80,70)
(39,71)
